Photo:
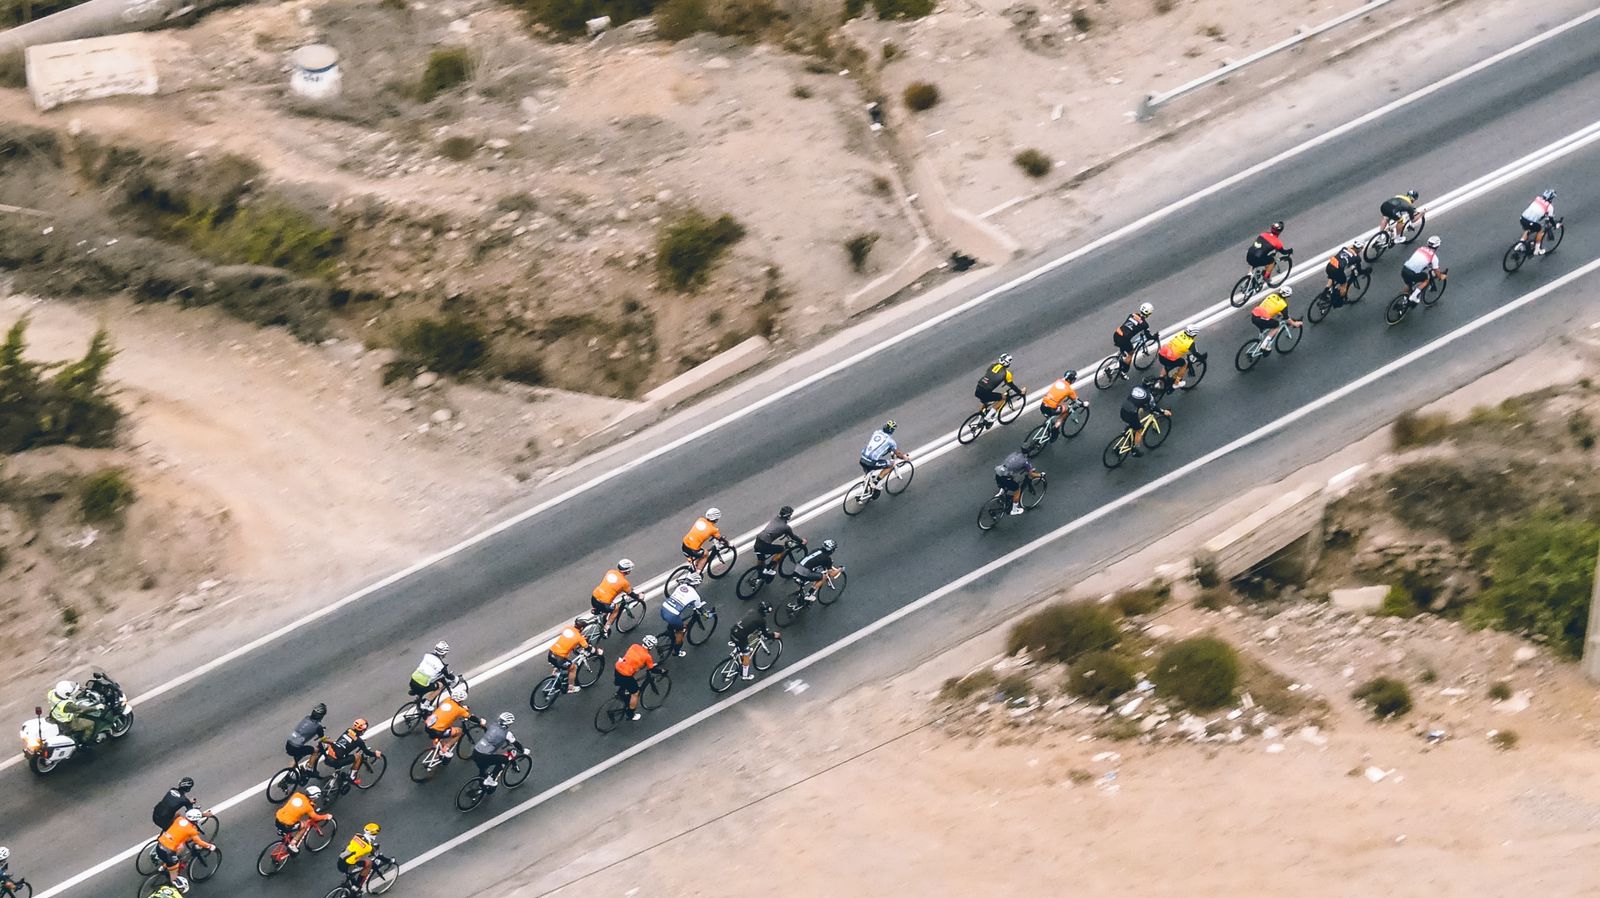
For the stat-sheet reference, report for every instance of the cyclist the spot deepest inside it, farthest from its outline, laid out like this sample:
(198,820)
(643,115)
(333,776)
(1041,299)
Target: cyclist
(1342,269)
(879,455)
(775,539)
(1420,268)
(303,739)
(626,673)
(1273,311)
(704,529)
(174,802)
(7,883)
(494,748)
(561,651)
(1010,474)
(996,378)
(739,637)
(431,675)
(607,598)
(341,752)
(445,722)
(679,609)
(1058,399)
(1141,400)
(180,832)
(1129,331)
(294,819)
(1175,356)
(1398,209)
(358,857)
(1264,249)
(809,571)
(1533,218)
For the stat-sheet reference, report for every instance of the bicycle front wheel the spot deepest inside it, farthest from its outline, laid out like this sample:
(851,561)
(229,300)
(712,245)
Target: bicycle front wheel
(724,675)
(991,512)
(722,559)
(471,732)
(1288,338)
(855,502)
(23,889)
(655,691)
(1359,288)
(203,863)
(1013,408)
(1414,226)
(384,874)
(588,671)
(970,428)
(1553,235)
(339,892)
(632,613)
(1156,433)
(372,770)
(1243,289)
(1197,371)
(1280,270)
(1074,423)
(517,771)
(900,474)
(1033,492)
(1435,291)
(766,654)
(1248,355)
(321,835)
(701,626)
(830,591)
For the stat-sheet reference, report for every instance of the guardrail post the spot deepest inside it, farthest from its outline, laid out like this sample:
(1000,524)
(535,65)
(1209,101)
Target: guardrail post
(1591,642)
(1146,110)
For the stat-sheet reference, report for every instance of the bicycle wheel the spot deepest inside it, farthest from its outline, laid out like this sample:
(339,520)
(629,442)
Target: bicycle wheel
(1397,309)
(282,785)
(856,499)
(1280,270)
(151,883)
(788,611)
(724,675)
(210,826)
(1033,492)
(339,892)
(517,771)
(1321,304)
(1075,421)
(1435,291)
(1108,372)
(1197,371)
(470,795)
(1514,257)
(992,511)
(1144,354)
(722,559)
(588,671)
(766,654)
(22,889)
(970,428)
(270,861)
(371,770)
(790,556)
(1413,227)
(145,861)
(701,626)
(751,584)
(406,720)
(332,790)
(1377,245)
(471,732)
(1248,355)
(676,577)
(1553,235)
(609,714)
(900,474)
(1037,439)
(203,863)
(544,695)
(384,874)
(831,591)
(1243,289)
(655,692)
(426,765)
(321,835)
(1117,450)
(1156,433)
(1012,410)
(1288,338)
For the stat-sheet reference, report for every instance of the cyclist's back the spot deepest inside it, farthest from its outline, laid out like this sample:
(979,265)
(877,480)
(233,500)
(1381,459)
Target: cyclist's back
(1402,205)
(1140,400)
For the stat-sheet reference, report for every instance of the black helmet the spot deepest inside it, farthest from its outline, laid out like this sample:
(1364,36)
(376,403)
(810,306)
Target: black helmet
(829,545)
(786,512)
(319,712)
(185,784)
(1070,376)
(1277,227)
(765,608)
(1414,193)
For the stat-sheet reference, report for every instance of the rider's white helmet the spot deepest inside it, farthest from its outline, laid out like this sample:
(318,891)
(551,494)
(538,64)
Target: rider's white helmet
(67,688)
(507,719)
(441,648)
(459,692)
(1434,242)
(625,565)
(713,515)
(194,815)
(1146,309)
(313,791)
(5,854)
(649,642)
(1286,291)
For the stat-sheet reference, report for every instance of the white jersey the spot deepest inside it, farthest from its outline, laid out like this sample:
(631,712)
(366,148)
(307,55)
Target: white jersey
(1539,208)
(1424,259)
(879,447)
(683,601)
(428,669)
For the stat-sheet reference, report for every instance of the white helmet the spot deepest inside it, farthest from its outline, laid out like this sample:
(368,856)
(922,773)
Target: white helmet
(1434,242)
(713,515)
(690,579)
(181,883)
(313,791)
(67,688)
(1146,309)
(459,692)
(441,648)
(625,565)
(5,854)
(194,815)
(649,642)
(507,718)
(1286,291)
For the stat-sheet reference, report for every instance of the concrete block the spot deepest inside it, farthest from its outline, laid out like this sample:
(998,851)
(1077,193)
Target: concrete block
(1280,521)
(920,261)
(959,228)
(710,373)
(1359,598)
(91,68)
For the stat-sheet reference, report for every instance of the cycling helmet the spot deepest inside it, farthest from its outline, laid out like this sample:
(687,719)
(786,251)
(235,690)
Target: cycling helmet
(1005,360)
(889,426)
(582,620)
(313,791)
(1434,242)
(441,648)
(649,642)
(1357,245)
(765,608)
(1549,196)
(360,726)
(829,545)
(67,688)
(181,883)
(194,815)
(1286,291)
(625,565)
(786,512)
(1277,227)
(1070,375)
(1146,309)
(5,854)
(691,578)
(507,718)
(458,692)
(186,784)
(319,712)
(1414,193)
(713,515)
(371,829)
(1192,331)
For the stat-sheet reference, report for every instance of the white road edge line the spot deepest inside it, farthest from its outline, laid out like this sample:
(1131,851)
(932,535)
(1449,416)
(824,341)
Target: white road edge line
(1141,224)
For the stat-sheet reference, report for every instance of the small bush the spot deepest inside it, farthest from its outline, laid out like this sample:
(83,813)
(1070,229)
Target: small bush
(1081,20)
(903,9)
(1033,163)
(104,495)
(1145,599)
(921,96)
(69,619)
(445,345)
(882,186)
(568,17)
(1200,672)
(55,403)
(858,248)
(678,19)
(1399,602)
(1412,429)
(1099,677)
(800,92)
(525,367)
(961,688)
(1214,598)
(1428,675)
(1165,6)
(1063,632)
(1505,740)
(447,67)
(1499,690)
(690,247)
(890,51)
(1541,577)
(458,147)
(1016,684)
(13,69)
(1206,573)
(1387,697)
(1581,426)
(270,234)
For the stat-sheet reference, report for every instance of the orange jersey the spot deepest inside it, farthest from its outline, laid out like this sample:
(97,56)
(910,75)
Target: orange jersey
(569,641)
(611,585)
(296,809)
(1060,392)
(179,834)
(636,659)
(700,532)
(448,714)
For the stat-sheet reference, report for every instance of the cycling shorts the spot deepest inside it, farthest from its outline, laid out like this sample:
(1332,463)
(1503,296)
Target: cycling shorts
(1413,278)
(437,734)
(599,606)
(286,829)
(167,858)
(1130,417)
(806,575)
(765,550)
(674,621)
(1009,484)
(626,684)
(1122,341)
(870,466)
(1171,365)
(1336,274)
(420,689)
(693,554)
(298,751)
(1264,324)
(1393,209)
(1531,225)
(558,662)
(986,396)
(1257,259)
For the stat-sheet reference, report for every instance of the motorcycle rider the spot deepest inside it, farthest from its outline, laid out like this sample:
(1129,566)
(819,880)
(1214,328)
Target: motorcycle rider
(75,709)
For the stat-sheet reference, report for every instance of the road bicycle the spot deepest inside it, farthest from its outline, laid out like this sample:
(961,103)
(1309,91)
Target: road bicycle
(999,506)
(1057,427)
(871,486)
(318,835)
(1196,362)
(629,617)
(1284,338)
(752,581)
(1110,370)
(982,419)
(1400,230)
(1400,306)
(514,773)
(554,686)
(363,773)
(1256,281)
(1551,230)
(717,562)
(1329,298)
(432,759)
(702,623)
(195,863)
(764,653)
(1152,432)
(18,888)
(286,781)
(825,591)
(410,715)
(652,695)
(146,861)
(385,870)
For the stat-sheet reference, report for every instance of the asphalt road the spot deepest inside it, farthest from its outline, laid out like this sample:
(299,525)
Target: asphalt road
(227,732)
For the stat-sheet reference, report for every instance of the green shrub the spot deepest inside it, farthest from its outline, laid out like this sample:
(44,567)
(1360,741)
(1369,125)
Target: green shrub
(1033,163)
(961,688)
(1387,697)
(270,234)
(1412,429)
(69,620)
(1505,740)
(1200,672)
(104,495)
(1064,631)
(13,69)
(1143,600)
(1499,690)
(1214,598)
(1541,577)
(568,17)
(1015,684)
(921,96)
(1206,573)
(447,67)
(690,247)
(1099,677)
(678,19)
(1581,426)
(1080,19)
(446,345)
(903,9)
(800,92)
(890,50)
(858,248)
(458,147)
(55,403)
(1456,499)
(1399,602)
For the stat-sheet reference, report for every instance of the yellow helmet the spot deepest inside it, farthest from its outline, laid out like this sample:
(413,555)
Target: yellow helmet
(370,829)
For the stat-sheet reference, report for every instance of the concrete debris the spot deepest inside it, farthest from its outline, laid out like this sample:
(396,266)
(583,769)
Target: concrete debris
(1516,704)
(441,416)
(1358,598)
(1376,774)
(425,380)
(1524,655)
(1313,735)
(1274,748)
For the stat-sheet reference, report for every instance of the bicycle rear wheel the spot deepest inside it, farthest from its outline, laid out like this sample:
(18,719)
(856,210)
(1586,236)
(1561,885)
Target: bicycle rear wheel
(151,883)
(270,861)
(339,892)
(1243,289)
(856,499)
(1514,257)
(724,675)
(992,511)
(406,720)
(1321,305)
(425,765)
(701,626)
(1397,309)
(1036,440)
(655,692)
(281,786)
(544,695)
(1117,450)
(970,428)
(1033,492)
(1156,433)
(752,581)
(1248,355)
(610,714)
(830,591)
(676,577)
(471,795)
(517,771)
(1288,338)
(1108,372)
(900,473)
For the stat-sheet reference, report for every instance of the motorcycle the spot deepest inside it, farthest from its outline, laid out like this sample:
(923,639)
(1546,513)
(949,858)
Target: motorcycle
(46,745)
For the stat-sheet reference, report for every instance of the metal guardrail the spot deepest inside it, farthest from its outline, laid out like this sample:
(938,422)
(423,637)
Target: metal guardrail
(1152,102)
